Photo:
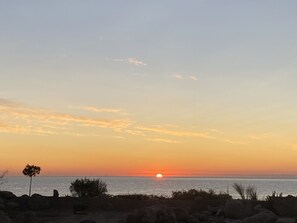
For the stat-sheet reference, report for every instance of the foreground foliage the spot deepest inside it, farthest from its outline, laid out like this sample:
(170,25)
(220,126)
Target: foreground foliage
(88,188)
(2,175)
(139,197)
(246,193)
(194,194)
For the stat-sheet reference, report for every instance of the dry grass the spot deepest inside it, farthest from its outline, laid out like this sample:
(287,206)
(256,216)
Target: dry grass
(246,193)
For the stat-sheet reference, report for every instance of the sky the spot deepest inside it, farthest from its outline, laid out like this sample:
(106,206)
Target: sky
(135,88)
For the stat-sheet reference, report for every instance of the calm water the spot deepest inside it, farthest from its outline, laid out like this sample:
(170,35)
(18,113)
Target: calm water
(125,185)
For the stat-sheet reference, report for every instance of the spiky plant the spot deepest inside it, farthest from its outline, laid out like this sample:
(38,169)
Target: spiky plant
(251,193)
(240,189)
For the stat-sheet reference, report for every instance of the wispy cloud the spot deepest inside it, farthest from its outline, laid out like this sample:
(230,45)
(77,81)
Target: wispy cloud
(161,140)
(216,131)
(136,62)
(22,119)
(193,78)
(101,110)
(171,132)
(178,76)
(260,136)
(135,132)
(184,77)
(19,118)
(130,60)
(234,142)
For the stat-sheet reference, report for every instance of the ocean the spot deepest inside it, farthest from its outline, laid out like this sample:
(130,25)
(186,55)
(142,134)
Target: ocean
(144,185)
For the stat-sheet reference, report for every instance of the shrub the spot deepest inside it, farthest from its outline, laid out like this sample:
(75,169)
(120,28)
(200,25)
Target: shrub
(88,187)
(269,199)
(274,195)
(240,189)
(194,194)
(249,192)
(139,197)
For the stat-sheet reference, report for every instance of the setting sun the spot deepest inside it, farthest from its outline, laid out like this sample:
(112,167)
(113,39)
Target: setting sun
(159,175)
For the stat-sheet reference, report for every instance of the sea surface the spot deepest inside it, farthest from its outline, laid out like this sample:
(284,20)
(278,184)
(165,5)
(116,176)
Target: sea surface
(143,185)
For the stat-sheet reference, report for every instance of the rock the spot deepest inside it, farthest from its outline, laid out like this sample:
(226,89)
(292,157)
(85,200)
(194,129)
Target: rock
(27,217)
(201,217)
(38,202)
(232,221)
(2,206)
(23,201)
(7,195)
(180,214)
(220,220)
(258,207)
(284,206)
(165,215)
(146,215)
(12,205)
(55,194)
(261,217)
(286,220)
(218,211)
(19,218)
(234,209)
(30,217)
(4,218)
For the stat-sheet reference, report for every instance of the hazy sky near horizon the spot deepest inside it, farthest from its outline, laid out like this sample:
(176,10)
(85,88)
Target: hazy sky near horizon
(140,87)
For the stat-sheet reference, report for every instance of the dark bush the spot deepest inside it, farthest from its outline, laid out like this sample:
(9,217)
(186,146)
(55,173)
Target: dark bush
(88,188)
(194,194)
(139,197)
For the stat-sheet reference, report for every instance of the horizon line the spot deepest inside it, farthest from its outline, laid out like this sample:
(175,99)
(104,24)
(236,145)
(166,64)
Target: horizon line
(274,176)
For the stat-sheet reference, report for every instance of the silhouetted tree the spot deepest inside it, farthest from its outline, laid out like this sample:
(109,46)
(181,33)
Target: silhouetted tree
(31,171)
(88,188)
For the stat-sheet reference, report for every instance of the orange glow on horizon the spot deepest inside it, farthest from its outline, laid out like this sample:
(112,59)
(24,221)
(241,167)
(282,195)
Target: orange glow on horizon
(159,175)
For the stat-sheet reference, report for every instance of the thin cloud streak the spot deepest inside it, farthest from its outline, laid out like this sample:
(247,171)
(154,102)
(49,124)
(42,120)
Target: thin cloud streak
(175,132)
(182,77)
(178,77)
(161,140)
(193,78)
(19,118)
(38,120)
(234,142)
(130,60)
(101,110)
(136,62)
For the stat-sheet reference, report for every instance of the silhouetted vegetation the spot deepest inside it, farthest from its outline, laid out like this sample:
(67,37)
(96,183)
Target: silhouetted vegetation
(2,175)
(269,199)
(246,193)
(194,194)
(139,197)
(88,188)
(273,195)
(31,171)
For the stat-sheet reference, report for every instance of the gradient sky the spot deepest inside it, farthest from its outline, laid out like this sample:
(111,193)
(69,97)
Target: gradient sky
(188,88)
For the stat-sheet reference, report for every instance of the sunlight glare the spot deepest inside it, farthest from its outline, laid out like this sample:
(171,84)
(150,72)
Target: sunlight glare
(159,175)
